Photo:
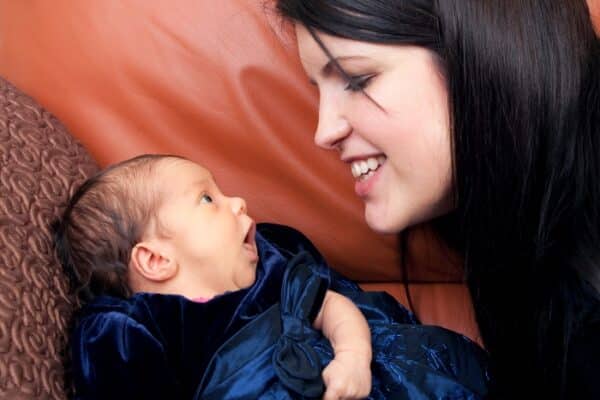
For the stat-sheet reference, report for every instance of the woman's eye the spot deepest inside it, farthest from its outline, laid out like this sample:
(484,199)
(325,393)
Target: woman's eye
(359,82)
(206,199)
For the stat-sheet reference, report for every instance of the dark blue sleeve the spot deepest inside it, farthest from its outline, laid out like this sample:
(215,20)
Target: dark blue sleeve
(290,242)
(115,357)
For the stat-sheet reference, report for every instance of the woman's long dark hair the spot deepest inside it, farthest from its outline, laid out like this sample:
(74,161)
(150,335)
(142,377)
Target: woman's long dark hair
(524,99)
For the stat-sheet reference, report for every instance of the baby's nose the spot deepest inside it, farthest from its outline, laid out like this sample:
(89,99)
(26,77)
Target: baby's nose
(238,205)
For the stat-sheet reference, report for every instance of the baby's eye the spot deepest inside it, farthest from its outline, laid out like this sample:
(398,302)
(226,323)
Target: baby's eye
(205,198)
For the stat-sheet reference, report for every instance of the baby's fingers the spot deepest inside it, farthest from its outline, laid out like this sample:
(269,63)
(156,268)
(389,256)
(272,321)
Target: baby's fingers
(334,393)
(339,386)
(333,387)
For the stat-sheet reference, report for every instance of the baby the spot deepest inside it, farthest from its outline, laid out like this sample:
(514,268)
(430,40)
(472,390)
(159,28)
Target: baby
(166,266)
(170,230)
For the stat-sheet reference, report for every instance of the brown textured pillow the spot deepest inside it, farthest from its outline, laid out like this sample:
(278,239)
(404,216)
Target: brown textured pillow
(40,166)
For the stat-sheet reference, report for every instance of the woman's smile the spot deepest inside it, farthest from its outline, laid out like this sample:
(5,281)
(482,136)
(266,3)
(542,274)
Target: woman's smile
(366,172)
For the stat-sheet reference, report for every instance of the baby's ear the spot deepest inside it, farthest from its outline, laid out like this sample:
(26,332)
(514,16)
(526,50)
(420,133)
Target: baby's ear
(150,260)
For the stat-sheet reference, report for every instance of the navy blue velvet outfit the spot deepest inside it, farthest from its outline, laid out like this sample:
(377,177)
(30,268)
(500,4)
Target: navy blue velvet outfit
(258,343)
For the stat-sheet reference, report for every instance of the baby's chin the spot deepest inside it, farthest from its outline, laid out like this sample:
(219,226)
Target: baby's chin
(248,279)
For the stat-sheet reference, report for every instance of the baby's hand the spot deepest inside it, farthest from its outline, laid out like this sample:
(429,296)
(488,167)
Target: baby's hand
(348,376)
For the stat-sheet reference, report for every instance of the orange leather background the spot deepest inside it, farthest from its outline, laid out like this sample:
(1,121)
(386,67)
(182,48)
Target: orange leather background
(220,83)
(217,82)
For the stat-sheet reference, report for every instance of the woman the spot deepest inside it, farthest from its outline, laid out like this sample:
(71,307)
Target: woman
(485,114)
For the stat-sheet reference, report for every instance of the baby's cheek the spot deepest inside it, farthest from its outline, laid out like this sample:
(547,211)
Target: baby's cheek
(250,277)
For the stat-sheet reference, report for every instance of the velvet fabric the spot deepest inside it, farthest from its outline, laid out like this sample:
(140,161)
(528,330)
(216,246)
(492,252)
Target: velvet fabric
(259,342)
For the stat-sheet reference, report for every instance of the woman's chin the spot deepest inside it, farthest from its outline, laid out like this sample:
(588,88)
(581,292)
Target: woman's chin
(382,223)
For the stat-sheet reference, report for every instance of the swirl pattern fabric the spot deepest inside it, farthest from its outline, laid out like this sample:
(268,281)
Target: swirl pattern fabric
(40,166)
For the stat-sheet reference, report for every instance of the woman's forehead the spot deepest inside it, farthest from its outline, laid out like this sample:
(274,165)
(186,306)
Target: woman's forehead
(314,58)
(343,46)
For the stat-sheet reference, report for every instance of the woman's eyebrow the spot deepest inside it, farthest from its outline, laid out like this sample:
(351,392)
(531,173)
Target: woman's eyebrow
(333,63)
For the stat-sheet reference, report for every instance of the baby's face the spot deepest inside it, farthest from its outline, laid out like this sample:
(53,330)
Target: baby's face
(211,235)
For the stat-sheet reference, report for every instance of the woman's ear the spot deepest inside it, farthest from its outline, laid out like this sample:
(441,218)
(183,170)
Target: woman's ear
(151,261)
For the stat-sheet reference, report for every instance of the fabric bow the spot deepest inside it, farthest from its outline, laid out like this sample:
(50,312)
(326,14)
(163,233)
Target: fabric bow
(295,361)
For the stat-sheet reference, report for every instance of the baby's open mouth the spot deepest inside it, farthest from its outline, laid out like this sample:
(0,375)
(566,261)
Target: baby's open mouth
(250,242)
(249,238)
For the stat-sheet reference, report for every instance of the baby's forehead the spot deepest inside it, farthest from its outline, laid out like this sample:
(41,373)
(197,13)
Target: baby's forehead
(180,174)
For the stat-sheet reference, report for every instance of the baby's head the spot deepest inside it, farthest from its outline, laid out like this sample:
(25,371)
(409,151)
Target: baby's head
(156,223)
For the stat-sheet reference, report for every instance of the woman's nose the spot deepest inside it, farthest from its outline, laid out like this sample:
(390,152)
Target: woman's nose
(333,127)
(238,205)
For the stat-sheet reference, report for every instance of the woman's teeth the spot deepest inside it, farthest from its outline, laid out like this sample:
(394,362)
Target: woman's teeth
(362,169)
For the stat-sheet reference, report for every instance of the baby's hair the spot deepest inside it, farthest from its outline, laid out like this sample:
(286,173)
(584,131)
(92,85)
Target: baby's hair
(103,220)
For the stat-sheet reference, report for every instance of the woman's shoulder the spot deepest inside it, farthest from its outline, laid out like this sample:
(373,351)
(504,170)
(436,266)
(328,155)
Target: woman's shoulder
(589,309)
(584,349)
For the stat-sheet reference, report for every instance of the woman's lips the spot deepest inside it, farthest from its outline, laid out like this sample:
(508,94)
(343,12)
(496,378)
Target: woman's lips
(366,171)
(364,185)
(362,166)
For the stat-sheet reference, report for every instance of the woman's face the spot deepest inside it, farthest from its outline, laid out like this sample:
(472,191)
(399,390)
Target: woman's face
(394,135)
